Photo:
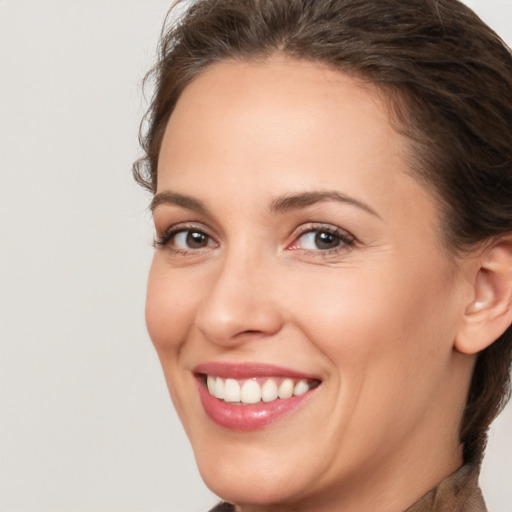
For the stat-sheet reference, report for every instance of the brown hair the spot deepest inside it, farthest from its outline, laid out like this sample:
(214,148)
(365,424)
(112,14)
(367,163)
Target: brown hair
(448,79)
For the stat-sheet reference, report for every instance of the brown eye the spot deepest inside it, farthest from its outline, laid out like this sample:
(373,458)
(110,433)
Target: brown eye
(322,240)
(319,240)
(325,240)
(196,240)
(189,239)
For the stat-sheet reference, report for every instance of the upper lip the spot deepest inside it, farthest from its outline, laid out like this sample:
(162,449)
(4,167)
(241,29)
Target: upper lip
(249,370)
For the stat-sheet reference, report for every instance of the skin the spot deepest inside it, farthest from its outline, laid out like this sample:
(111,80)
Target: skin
(376,320)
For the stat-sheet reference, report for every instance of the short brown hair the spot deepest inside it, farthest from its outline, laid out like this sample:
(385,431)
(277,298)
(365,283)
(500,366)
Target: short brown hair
(448,79)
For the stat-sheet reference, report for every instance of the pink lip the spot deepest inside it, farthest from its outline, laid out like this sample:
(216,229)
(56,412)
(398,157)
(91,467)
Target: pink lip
(248,370)
(247,417)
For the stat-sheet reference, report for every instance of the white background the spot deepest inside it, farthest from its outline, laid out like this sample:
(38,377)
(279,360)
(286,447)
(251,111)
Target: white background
(85,420)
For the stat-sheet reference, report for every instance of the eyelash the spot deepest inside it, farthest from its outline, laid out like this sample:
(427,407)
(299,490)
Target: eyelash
(167,236)
(346,240)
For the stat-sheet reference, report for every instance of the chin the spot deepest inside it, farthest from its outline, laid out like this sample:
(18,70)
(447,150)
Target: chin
(253,473)
(251,486)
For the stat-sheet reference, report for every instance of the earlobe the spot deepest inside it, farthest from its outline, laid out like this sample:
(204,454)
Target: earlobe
(489,312)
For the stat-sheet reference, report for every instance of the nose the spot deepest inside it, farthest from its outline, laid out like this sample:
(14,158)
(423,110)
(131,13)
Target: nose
(239,304)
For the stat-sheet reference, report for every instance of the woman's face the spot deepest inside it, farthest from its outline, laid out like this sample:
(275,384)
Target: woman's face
(296,254)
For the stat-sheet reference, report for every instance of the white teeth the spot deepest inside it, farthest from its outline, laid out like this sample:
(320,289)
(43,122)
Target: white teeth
(251,392)
(269,391)
(231,391)
(210,382)
(286,389)
(300,388)
(218,392)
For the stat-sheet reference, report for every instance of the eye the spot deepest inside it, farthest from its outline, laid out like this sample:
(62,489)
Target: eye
(183,239)
(191,240)
(323,239)
(319,240)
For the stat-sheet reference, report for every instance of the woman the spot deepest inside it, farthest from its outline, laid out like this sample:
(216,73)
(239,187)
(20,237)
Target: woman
(331,287)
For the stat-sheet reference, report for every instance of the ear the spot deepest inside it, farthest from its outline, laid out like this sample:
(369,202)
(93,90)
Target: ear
(489,312)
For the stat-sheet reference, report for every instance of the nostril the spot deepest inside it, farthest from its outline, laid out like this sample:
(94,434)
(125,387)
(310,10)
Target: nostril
(228,317)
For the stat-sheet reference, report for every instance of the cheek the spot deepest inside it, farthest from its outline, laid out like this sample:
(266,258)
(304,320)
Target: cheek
(388,342)
(170,306)
(396,321)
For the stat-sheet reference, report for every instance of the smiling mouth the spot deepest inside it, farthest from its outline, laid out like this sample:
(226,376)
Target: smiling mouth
(257,389)
(251,396)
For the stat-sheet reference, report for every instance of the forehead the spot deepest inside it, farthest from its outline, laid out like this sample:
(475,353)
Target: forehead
(283,126)
(309,96)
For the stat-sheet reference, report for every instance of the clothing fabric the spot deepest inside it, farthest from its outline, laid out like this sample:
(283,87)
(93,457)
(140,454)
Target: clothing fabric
(457,493)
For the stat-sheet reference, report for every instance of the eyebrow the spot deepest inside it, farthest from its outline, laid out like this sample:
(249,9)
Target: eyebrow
(278,205)
(301,200)
(188,202)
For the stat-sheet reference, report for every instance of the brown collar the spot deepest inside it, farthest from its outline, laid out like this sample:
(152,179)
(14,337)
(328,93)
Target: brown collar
(457,493)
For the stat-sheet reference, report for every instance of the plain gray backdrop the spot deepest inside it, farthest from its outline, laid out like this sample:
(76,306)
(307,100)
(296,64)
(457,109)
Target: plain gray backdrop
(86,424)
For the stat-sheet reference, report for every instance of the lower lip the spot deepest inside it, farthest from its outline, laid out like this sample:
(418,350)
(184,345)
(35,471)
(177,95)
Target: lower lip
(248,417)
